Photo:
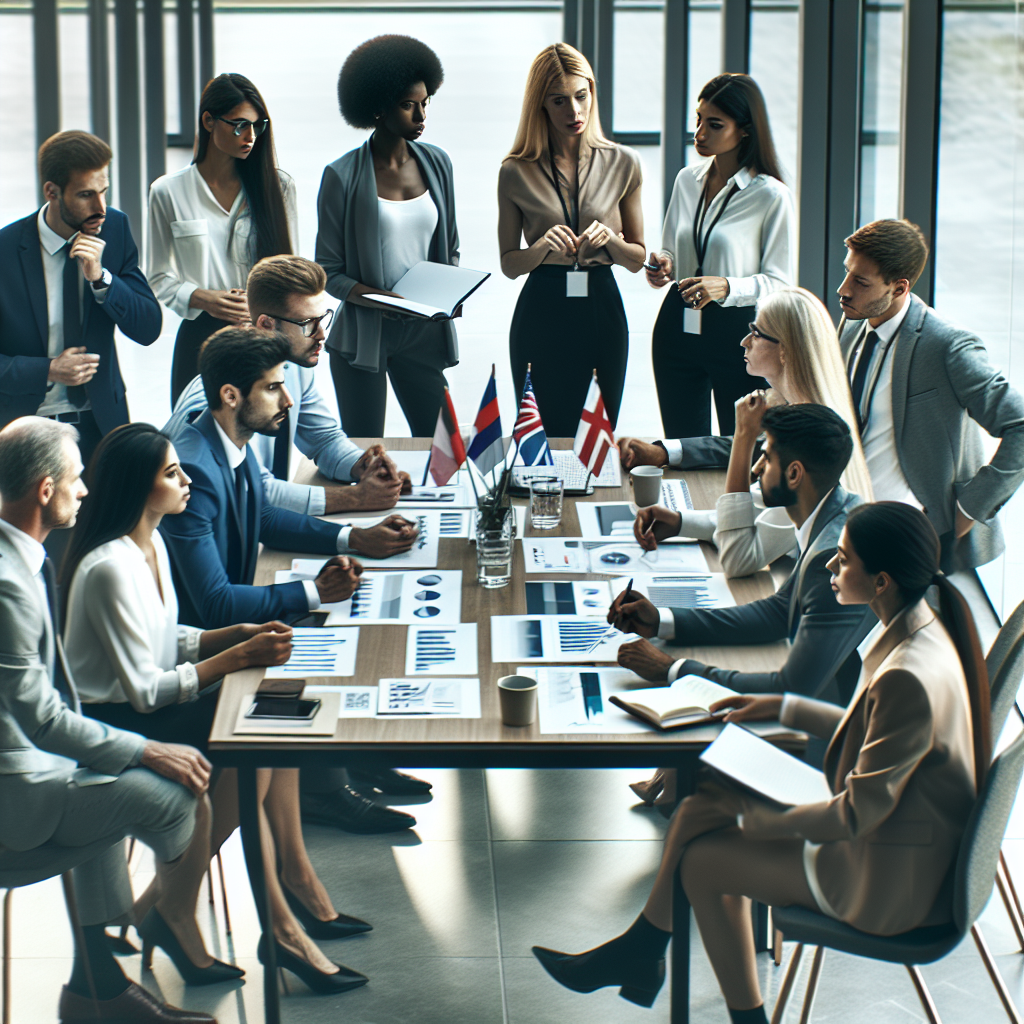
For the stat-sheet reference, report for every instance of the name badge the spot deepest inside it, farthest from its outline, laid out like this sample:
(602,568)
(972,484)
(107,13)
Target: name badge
(691,320)
(576,284)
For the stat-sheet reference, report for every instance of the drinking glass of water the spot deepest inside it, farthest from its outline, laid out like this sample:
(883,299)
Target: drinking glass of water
(546,494)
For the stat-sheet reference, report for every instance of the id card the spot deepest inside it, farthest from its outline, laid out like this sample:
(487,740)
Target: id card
(691,320)
(576,284)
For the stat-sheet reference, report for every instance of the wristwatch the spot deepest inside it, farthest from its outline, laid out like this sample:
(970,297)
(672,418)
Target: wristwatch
(103,281)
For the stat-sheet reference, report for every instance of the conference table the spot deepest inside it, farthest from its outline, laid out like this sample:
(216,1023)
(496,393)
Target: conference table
(473,742)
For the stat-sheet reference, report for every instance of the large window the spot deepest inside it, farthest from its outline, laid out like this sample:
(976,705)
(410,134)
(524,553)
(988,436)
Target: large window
(775,66)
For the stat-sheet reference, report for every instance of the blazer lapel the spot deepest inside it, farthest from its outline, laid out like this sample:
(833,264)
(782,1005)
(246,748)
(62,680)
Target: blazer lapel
(206,426)
(906,342)
(35,280)
(367,219)
(834,504)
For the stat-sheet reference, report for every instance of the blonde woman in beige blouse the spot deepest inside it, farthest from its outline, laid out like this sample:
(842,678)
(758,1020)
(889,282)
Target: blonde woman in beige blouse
(574,197)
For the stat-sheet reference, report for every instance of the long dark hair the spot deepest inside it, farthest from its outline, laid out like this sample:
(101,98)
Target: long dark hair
(898,539)
(120,477)
(740,97)
(261,179)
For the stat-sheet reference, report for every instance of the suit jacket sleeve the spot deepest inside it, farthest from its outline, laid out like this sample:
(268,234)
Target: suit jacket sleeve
(817,717)
(899,736)
(193,549)
(826,633)
(28,697)
(130,302)
(990,400)
(330,235)
(292,531)
(705,452)
(319,437)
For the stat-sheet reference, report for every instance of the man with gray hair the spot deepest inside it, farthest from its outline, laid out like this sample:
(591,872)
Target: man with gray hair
(72,788)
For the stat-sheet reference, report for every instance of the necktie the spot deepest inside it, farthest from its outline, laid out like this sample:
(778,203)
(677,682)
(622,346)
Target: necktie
(60,681)
(243,511)
(72,318)
(861,372)
(282,449)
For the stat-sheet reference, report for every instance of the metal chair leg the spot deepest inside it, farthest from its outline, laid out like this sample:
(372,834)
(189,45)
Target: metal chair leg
(1008,878)
(812,984)
(223,893)
(787,984)
(993,973)
(7,957)
(128,858)
(930,1010)
(1011,910)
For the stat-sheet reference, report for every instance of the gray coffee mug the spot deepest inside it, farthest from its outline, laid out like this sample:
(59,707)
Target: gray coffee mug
(517,696)
(646,485)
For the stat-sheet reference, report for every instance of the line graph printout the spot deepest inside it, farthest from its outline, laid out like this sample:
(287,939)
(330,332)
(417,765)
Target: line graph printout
(555,638)
(429,698)
(620,558)
(441,650)
(319,652)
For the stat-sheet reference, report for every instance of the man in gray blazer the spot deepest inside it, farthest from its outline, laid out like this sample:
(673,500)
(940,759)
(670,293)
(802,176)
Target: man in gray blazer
(806,449)
(72,788)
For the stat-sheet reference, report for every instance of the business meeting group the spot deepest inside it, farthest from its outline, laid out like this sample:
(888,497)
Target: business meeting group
(128,551)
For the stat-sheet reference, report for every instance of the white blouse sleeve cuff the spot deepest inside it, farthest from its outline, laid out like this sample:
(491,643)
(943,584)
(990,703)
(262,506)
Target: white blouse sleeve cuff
(189,638)
(180,303)
(787,713)
(742,292)
(188,680)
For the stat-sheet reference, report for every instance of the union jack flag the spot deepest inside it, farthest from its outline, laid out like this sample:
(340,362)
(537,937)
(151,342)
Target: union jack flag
(529,430)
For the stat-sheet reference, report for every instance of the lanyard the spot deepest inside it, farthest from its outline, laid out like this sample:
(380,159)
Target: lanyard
(553,178)
(701,247)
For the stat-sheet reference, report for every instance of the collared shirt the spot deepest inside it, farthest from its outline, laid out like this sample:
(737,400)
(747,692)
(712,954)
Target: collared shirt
(51,249)
(753,246)
(235,457)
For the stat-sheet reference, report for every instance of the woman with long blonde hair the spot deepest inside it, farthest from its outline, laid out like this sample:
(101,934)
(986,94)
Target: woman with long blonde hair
(792,344)
(574,196)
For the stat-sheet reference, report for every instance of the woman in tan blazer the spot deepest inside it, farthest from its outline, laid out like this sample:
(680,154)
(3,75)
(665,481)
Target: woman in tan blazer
(903,762)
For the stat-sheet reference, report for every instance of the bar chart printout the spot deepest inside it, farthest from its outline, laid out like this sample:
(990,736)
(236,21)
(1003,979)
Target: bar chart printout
(319,652)
(441,650)
(555,638)
(442,698)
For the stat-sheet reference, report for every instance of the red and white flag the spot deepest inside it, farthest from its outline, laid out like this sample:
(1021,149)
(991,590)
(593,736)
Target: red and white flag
(447,452)
(594,437)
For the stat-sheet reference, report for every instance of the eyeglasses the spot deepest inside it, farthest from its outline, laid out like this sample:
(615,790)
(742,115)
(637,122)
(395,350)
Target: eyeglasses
(755,333)
(308,327)
(241,125)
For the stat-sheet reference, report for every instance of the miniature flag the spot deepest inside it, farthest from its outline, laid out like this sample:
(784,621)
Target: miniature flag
(529,430)
(447,452)
(485,444)
(594,438)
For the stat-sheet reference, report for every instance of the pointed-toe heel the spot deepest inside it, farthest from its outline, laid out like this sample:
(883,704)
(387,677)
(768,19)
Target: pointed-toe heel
(323,984)
(155,931)
(341,927)
(639,981)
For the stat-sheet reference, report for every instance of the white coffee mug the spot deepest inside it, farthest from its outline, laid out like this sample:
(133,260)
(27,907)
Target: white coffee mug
(646,485)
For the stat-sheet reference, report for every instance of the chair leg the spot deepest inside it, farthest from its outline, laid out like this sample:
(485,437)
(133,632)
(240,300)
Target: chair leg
(1011,910)
(1008,878)
(812,984)
(777,948)
(223,893)
(993,973)
(128,858)
(930,1010)
(787,984)
(7,957)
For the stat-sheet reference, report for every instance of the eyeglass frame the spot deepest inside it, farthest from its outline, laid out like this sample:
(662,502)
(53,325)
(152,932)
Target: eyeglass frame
(756,332)
(242,123)
(312,322)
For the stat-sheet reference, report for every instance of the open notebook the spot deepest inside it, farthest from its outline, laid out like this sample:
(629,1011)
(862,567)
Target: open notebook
(433,290)
(685,702)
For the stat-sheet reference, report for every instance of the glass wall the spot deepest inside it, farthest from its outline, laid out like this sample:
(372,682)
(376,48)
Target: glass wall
(775,66)
(639,66)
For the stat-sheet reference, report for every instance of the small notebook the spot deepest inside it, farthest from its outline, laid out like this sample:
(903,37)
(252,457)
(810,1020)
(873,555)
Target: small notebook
(433,290)
(685,702)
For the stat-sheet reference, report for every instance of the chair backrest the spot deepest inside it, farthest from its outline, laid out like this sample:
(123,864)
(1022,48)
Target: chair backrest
(1009,633)
(1004,685)
(983,836)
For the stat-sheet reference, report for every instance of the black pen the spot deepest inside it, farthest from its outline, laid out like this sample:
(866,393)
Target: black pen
(628,590)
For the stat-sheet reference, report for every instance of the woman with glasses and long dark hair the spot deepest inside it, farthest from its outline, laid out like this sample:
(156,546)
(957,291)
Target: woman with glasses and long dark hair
(728,239)
(211,222)
(903,763)
(135,664)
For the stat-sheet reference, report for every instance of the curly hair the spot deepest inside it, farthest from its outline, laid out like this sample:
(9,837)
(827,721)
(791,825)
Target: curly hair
(377,75)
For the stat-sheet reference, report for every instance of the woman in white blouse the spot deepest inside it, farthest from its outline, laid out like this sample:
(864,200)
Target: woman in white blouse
(728,240)
(211,222)
(136,667)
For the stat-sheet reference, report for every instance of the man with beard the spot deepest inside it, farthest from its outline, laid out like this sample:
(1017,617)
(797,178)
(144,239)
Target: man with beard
(71,275)
(286,294)
(214,543)
(806,449)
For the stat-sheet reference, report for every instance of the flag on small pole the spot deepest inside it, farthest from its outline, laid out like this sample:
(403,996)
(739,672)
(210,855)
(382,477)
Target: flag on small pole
(594,437)
(528,432)
(447,452)
(485,444)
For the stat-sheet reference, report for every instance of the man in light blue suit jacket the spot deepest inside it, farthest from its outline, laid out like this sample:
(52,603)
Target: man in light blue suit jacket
(286,294)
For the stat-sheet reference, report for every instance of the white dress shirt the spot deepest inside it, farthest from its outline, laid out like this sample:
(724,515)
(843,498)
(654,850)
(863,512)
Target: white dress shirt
(406,229)
(753,246)
(55,257)
(123,641)
(195,243)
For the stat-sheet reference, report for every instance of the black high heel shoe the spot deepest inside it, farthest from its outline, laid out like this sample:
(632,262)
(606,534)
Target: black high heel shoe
(325,984)
(639,980)
(341,927)
(155,931)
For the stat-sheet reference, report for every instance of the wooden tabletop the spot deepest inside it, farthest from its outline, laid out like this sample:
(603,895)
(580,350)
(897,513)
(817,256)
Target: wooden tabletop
(423,742)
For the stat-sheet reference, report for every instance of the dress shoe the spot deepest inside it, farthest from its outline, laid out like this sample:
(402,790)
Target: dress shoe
(387,780)
(648,790)
(639,979)
(325,984)
(346,809)
(155,931)
(340,927)
(133,1006)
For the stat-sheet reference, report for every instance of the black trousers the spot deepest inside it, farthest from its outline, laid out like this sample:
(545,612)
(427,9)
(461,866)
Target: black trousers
(185,362)
(688,367)
(414,352)
(176,723)
(565,340)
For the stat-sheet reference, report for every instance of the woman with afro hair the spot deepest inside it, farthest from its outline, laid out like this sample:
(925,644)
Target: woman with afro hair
(574,196)
(384,207)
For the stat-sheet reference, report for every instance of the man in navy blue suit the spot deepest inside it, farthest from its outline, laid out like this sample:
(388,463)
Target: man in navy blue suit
(71,273)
